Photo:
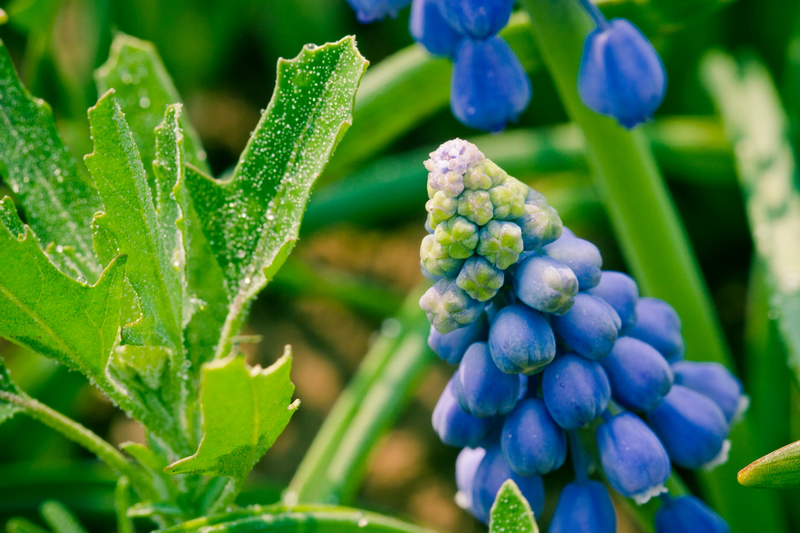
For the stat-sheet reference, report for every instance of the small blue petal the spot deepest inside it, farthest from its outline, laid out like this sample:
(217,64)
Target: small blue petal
(687,514)
(584,507)
(621,292)
(481,388)
(521,340)
(371,10)
(590,327)
(640,376)
(451,347)
(634,460)
(531,440)
(714,381)
(430,29)
(575,390)
(456,427)
(489,87)
(580,255)
(546,284)
(621,75)
(477,18)
(658,325)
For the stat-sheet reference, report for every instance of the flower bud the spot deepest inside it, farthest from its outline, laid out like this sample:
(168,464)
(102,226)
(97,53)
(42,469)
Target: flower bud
(500,243)
(430,29)
(621,74)
(692,427)
(484,176)
(490,476)
(658,325)
(531,441)
(458,237)
(634,460)
(435,259)
(640,377)
(521,340)
(575,390)
(448,307)
(581,256)
(584,507)
(481,388)
(546,284)
(456,427)
(477,18)
(371,10)
(480,278)
(457,155)
(450,347)
(540,223)
(716,382)
(687,514)
(508,199)
(467,463)
(476,206)
(590,327)
(441,207)
(489,87)
(449,182)
(621,292)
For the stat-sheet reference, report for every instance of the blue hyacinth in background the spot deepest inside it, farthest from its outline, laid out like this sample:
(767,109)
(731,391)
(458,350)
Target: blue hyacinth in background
(554,353)
(621,74)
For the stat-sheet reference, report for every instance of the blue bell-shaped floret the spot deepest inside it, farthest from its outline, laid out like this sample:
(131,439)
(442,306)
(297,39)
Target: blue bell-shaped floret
(580,255)
(590,327)
(692,427)
(490,476)
(640,376)
(687,514)
(584,507)
(716,382)
(546,284)
(477,18)
(621,292)
(521,340)
(483,389)
(575,390)
(430,29)
(371,10)
(531,440)
(658,325)
(451,347)
(634,460)
(467,463)
(489,87)
(456,427)
(621,75)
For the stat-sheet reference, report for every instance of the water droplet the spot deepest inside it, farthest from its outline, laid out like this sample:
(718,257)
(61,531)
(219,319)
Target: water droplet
(363,522)
(81,279)
(144,102)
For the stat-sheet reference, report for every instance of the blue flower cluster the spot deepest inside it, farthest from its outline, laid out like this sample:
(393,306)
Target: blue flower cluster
(550,348)
(621,74)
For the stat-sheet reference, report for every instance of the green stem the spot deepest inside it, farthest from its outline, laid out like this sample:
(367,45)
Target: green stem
(376,396)
(84,437)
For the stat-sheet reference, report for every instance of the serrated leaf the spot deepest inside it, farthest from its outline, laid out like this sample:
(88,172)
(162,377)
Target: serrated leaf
(511,511)
(130,216)
(143,90)
(58,200)
(244,411)
(253,219)
(52,314)
(779,469)
(7,410)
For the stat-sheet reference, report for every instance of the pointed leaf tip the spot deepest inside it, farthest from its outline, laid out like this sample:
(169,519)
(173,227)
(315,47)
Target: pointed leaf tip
(511,511)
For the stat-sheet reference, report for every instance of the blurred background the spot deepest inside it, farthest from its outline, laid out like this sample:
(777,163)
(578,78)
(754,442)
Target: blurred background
(358,255)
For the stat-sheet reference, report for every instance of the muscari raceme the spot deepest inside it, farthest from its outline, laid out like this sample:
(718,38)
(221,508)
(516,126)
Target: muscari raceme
(621,75)
(555,353)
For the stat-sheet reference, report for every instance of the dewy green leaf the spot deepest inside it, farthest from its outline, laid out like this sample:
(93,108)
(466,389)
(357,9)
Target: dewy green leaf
(58,200)
(511,512)
(7,410)
(130,216)
(251,221)
(52,314)
(143,90)
(779,469)
(244,411)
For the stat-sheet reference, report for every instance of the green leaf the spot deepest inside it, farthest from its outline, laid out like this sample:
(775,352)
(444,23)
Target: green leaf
(23,525)
(130,216)
(779,469)
(58,199)
(511,511)
(60,519)
(6,385)
(52,314)
(143,90)
(251,221)
(244,411)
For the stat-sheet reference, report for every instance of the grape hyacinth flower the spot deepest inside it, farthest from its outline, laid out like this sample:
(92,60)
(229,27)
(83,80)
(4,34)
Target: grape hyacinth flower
(430,29)
(687,514)
(555,355)
(372,10)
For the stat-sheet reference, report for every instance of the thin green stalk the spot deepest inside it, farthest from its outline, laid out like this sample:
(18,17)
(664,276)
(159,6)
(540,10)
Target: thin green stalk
(377,394)
(652,239)
(83,437)
(122,502)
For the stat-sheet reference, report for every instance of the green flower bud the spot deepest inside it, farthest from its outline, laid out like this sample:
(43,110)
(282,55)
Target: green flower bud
(436,260)
(501,243)
(449,307)
(484,176)
(480,279)
(441,207)
(449,182)
(476,206)
(508,199)
(458,237)
(540,225)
